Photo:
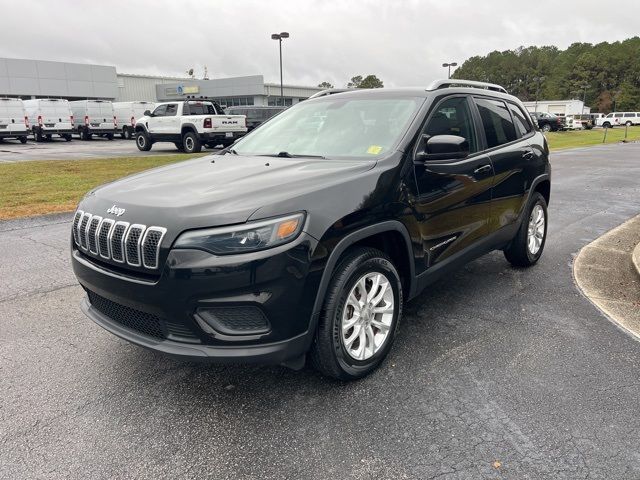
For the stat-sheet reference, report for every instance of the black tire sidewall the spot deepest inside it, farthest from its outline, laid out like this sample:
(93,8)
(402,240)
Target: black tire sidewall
(352,367)
(537,199)
(146,146)
(196,143)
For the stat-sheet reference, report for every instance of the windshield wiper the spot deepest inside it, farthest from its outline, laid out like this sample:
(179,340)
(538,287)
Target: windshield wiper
(228,150)
(290,155)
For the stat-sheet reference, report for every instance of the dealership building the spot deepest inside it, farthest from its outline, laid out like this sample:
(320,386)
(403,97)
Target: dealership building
(22,78)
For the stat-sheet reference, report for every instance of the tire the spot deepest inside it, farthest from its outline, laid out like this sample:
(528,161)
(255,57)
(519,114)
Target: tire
(37,135)
(84,133)
(606,125)
(546,128)
(628,124)
(331,353)
(48,137)
(22,139)
(191,143)
(143,142)
(520,252)
(67,137)
(179,146)
(109,136)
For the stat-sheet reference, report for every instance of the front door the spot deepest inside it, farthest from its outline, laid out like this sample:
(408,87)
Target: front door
(154,123)
(454,196)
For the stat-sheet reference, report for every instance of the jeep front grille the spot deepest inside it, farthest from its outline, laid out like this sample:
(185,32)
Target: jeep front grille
(135,245)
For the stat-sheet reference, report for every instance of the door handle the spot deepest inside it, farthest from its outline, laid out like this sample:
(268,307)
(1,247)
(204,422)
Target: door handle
(482,169)
(527,155)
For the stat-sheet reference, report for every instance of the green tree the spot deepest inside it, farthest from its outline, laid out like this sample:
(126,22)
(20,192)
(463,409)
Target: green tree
(610,72)
(370,81)
(325,85)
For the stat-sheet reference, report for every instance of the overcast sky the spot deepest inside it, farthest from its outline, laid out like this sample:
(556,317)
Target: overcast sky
(403,42)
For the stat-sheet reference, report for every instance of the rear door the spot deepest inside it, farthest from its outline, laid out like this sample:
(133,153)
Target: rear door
(454,196)
(508,146)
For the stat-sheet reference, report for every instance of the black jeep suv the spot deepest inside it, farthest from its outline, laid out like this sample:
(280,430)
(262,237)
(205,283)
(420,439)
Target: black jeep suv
(307,235)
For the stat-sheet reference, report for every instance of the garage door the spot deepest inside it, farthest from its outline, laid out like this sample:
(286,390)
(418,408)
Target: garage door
(558,109)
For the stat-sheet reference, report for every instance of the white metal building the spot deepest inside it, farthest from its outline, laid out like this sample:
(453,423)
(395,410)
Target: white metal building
(558,107)
(75,81)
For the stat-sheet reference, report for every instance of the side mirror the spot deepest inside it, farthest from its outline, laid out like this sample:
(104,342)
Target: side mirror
(442,147)
(147,113)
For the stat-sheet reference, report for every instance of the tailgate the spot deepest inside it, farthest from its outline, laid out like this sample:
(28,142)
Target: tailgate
(228,123)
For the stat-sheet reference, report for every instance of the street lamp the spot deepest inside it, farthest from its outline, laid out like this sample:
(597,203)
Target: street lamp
(584,96)
(538,80)
(279,37)
(449,65)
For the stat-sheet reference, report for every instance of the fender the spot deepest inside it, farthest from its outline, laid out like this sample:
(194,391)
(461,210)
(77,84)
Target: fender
(346,242)
(536,181)
(188,127)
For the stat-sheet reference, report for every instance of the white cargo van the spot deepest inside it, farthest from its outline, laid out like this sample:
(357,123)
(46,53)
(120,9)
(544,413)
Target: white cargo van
(93,117)
(127,113)
(13,119)
(48,117)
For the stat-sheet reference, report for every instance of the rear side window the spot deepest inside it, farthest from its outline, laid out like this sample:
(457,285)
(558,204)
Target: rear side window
(629,115)
(496,120)
(523,126)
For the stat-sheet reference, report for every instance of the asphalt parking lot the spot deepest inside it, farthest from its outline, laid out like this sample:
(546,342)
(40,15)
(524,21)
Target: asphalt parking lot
(58,149)
(497,372)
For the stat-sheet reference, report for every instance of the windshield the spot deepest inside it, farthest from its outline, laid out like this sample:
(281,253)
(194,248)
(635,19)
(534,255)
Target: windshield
(334,127)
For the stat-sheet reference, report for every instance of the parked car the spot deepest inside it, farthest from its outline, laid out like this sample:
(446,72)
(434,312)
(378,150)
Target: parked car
(548,122)
(189,125)
(582,121)
(256,115)
(93,117)
(621,118)
(13,120)
(302,241)
(48,117)
(127,113)
(595,118)
(613,119)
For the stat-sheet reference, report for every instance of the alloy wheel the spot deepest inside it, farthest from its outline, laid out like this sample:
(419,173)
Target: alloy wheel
(535,233)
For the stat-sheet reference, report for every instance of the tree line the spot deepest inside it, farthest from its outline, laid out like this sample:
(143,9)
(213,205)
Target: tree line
(370,81)
(606,74)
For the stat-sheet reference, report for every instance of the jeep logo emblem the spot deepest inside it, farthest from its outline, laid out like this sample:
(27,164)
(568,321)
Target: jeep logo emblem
(115,210)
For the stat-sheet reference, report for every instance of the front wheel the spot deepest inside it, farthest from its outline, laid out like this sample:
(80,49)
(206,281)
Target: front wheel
(526,247)
(628,124)
(606,125)
(143,142)
(546,128)
(191,143)
(361,313)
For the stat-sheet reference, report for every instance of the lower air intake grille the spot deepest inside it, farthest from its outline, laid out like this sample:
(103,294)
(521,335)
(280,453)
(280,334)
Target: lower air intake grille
(130,318)
(240,320)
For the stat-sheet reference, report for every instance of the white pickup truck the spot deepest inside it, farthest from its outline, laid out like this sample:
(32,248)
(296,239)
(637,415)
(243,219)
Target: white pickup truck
(189,124)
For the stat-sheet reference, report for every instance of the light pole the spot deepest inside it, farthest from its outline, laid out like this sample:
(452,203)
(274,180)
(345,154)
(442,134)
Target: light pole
(279,37)
(449,65)
(584,96)
(537,80)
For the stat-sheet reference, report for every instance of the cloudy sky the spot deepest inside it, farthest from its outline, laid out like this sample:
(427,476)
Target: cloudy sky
(403,42)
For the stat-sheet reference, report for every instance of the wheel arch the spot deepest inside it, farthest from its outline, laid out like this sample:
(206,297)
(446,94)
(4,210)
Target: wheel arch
(391,237)
(188,127)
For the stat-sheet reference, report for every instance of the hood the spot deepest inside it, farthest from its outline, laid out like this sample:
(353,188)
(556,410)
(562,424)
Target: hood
(217,189)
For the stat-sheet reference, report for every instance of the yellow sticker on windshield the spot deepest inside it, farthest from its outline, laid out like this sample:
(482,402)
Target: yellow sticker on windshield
(374,149)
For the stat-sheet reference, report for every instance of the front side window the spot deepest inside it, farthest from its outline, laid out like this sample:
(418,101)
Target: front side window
(160,111)
(520,120)
(497,123)
(618,115)
(334,127)
(453,117)
(171,111)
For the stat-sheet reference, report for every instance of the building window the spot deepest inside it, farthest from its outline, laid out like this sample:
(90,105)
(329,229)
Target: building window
(277,102)
(234,101)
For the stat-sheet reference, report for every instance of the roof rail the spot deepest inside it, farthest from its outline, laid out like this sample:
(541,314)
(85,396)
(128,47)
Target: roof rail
(438,84)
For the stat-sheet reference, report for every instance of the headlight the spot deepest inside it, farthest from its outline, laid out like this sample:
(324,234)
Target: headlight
(250,237)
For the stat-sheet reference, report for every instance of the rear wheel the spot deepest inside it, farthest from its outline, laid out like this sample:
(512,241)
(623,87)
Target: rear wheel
(546,127)
(360,316)
(143,142)
(109,136)
(191,143)
(179,146)
(37,134)
(23,139)
(526,247)
(67,137)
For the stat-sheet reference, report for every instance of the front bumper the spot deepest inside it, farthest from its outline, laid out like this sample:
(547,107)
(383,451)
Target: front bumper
(275,281)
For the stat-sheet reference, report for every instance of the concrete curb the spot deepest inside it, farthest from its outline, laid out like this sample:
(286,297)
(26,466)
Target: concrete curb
(608,276)
(635,258)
